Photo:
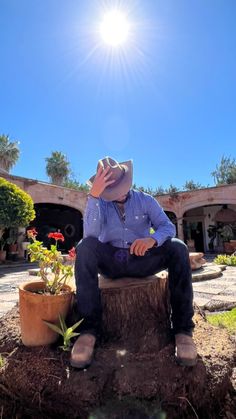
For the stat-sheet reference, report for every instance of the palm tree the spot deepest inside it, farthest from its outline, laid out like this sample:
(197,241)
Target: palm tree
(9,153)
(57,168)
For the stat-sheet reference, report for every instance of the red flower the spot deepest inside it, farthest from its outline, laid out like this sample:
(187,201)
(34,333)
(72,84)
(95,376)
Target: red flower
(72,253)
(32,233)
(56,236)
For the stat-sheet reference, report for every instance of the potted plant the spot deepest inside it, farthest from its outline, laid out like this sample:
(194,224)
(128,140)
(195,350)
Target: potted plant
(226,234)
(12,240)
(16,210)
(47,298)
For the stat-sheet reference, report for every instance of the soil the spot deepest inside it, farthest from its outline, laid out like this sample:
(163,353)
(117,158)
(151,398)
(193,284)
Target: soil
(124,381)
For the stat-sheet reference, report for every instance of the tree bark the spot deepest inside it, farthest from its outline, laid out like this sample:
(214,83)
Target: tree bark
(136,308)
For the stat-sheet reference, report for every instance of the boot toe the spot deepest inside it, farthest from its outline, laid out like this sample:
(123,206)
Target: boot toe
(185,350)
(83,351)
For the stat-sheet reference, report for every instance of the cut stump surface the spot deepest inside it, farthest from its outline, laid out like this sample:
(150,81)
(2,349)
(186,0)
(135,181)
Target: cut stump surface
(136,308)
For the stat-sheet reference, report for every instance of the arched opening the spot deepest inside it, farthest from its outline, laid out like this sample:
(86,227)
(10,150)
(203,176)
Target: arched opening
(53,217)
(203,227)
(193,229)
(173,219)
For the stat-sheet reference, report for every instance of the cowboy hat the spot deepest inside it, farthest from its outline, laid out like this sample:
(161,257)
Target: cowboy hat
(122,174)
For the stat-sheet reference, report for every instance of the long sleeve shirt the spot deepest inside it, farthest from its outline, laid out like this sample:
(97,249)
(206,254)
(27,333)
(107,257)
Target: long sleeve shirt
(102,220)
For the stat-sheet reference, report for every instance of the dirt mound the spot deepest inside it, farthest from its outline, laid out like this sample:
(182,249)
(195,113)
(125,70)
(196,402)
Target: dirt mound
(123,382)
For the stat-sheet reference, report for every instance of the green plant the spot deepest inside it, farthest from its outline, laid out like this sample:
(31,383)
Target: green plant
(16,206)
(11,240)
(226,233)
(52,271)
(225,172)
(229,260)
(66,332)
(190,185)
(2,361)
(13,236)
(226,319)
(57,167)
(9,152)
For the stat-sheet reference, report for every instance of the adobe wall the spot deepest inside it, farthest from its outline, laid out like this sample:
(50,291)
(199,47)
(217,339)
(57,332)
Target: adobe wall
(179,203)
(42,192)
(185,201)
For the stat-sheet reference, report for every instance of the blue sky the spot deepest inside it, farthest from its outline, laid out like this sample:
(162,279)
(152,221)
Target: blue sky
(166,98)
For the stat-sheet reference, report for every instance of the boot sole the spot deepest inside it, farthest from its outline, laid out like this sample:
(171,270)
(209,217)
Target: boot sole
(80,365)
(183,362)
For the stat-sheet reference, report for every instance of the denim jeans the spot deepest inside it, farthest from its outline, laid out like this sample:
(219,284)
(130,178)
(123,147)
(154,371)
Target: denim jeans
(93,257)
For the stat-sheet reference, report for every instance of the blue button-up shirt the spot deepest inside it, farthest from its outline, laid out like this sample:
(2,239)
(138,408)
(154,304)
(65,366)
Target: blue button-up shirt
(102,220)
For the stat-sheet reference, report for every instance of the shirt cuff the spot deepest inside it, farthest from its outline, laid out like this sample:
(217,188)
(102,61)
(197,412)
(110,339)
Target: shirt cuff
(158,238)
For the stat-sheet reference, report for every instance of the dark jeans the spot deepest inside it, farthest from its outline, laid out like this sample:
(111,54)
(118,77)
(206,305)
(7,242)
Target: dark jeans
(94,257)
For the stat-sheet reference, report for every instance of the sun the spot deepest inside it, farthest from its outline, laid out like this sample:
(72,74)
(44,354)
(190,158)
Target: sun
(114,28)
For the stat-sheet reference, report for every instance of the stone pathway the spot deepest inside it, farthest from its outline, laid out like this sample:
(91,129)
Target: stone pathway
(213,290)
(215,293)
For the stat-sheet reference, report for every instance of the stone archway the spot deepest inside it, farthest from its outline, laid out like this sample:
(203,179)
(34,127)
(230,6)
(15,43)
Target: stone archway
(56,217)
(193,228)
(173,219)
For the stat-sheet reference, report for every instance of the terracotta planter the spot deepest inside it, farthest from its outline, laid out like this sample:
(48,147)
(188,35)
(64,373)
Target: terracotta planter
(233,243)
(228,248)
(13,248)
(34,308)
(3,254)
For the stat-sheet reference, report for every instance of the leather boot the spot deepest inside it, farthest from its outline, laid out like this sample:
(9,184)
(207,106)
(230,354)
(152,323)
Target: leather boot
(185,350)
(82,351)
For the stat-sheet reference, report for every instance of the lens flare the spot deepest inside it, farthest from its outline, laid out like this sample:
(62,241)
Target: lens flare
(114,28)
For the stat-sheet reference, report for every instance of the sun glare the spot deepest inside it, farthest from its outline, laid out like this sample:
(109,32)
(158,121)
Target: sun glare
(114,28)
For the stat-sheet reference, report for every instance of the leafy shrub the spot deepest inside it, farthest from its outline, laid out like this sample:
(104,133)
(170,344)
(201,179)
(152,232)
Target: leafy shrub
(229,260)
(16,206)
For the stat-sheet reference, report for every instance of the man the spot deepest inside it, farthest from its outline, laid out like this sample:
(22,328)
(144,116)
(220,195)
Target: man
(118,219)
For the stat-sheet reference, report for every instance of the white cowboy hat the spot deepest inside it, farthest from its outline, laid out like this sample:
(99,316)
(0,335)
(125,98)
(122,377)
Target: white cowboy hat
(122,174)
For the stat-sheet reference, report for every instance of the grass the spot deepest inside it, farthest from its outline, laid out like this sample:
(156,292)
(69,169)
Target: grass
(226,320)
(2,361)
(229,260)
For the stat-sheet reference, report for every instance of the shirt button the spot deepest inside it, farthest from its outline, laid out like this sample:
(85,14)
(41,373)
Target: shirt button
(94,219)
(96,205)
(126,228)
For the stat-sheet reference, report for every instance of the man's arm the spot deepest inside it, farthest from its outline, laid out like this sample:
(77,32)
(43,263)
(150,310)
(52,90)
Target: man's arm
(163,227)
(94,216)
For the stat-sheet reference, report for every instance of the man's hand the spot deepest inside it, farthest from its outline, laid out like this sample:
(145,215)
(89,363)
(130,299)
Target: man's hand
(101,181)
(140,246)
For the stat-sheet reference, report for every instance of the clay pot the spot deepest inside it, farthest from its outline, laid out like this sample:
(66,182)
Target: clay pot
(13,248)
(233,244)
(228,248)
(34,308)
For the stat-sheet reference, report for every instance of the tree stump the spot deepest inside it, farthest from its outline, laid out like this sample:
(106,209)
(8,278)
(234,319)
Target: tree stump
(40,383)
(136,308)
